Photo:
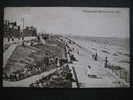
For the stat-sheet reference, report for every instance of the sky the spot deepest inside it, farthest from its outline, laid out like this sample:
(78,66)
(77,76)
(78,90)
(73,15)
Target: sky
(86,21)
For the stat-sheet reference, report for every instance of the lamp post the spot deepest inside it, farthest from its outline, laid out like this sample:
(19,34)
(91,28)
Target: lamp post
(23,29)
(23,24)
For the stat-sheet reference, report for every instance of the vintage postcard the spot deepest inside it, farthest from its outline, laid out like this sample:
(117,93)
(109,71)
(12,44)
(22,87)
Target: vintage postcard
(66,47)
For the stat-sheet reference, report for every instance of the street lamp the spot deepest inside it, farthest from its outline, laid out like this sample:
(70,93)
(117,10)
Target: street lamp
(22,32)
(23,26)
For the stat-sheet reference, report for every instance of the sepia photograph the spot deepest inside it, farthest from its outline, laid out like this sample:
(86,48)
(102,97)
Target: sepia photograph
(66,47)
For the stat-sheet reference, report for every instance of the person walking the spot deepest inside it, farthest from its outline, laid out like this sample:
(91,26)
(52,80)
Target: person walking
(89,66)
(96,57)
(106,62)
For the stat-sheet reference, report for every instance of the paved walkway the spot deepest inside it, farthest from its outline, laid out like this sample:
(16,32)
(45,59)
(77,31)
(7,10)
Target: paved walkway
(26,82)
(105,78)
(16,40)
(8,53)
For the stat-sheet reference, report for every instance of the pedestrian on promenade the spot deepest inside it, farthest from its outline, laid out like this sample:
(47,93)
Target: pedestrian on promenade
(96,57)
(22,37)
(38,38)
(23,43)
(106,62)
(89,66)
(12,39)
(78,52)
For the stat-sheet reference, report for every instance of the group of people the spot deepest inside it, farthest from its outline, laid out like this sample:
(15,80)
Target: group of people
(28,70)
(12,38)
(106,62)
(69,51)
(59,79)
